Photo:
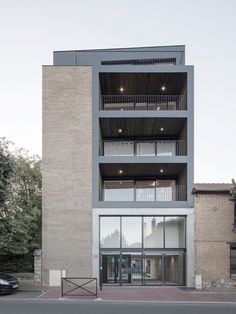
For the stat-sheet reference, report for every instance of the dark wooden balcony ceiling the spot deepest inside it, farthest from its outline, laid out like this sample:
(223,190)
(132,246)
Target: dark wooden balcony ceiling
(142,83)
(142,127)
(170,171)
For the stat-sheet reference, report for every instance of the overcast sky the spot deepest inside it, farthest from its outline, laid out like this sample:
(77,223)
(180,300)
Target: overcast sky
(31,30)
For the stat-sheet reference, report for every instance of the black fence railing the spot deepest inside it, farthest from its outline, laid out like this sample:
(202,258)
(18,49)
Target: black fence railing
(79,286)
(136,191)
(158,148)
(143,102)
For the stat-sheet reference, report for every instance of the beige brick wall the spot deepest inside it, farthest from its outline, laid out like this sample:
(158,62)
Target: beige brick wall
(213,229)
(67,170)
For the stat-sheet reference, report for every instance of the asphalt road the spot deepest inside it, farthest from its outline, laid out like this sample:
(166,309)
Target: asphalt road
(100,307)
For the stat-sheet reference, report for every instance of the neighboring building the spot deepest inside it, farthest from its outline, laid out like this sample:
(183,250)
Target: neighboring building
(215,235)
(118,166)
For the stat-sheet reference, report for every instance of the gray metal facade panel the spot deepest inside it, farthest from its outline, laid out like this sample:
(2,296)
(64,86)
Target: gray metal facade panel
(94,58)
(90,57)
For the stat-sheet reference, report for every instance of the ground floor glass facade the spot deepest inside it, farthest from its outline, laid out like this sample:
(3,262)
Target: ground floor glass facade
(142,250)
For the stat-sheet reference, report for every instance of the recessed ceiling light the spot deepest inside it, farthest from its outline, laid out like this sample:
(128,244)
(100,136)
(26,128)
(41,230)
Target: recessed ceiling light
(121,89)
(161,170)
(120,131)
(120,171)
(161,129)
(163,88)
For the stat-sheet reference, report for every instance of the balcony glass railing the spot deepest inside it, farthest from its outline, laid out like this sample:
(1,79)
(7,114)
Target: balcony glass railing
(143,102)
(149,190)
(144,148)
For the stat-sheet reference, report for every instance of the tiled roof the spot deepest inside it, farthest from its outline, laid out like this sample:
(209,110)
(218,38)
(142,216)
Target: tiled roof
(212,187)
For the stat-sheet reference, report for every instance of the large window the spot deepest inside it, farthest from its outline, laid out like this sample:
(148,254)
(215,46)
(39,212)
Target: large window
(149,232)
(110,232)
(153,228)
(131,232)
(174,232)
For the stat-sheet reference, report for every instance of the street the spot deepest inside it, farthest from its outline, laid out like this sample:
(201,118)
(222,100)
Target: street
(92,307)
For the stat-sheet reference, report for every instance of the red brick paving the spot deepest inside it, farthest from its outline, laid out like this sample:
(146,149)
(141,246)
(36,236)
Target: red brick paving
(168,294)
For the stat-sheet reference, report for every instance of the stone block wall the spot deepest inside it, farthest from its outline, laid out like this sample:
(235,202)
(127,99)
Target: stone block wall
(37,267)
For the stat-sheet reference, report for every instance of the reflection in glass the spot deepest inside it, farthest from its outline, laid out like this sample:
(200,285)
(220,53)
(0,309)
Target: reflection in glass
(110,232)
(153,232)
(174,232)
(131,232)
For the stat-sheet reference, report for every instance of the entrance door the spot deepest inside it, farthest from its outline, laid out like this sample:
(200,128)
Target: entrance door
(153,272)
(116,269)
(174,268)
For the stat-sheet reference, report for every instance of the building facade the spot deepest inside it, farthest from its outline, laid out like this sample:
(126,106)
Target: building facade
(118,166)
(215,235)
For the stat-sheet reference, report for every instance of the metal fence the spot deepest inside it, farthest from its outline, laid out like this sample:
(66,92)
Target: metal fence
(159,148)
(79,286)
(136,191)
(143,102)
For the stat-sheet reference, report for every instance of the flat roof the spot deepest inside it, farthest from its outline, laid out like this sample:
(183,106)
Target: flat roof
(147,48)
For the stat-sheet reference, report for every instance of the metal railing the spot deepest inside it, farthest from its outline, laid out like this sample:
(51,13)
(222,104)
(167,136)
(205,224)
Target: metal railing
(143,102)
(79,286)
(143,148)
(145,191)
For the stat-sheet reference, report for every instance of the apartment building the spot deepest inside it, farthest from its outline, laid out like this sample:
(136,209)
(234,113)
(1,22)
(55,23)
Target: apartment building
(118,166)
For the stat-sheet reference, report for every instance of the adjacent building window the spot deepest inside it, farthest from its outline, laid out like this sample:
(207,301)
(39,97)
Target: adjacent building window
(233,261)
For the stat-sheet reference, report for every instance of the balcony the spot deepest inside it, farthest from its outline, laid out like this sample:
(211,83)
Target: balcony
(143,148)
(143,190)
(143,102)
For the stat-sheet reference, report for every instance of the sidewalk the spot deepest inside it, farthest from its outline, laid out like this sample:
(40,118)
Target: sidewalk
(169,294)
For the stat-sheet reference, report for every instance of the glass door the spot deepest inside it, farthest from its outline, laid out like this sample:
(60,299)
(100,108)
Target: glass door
(131,268)
(110,268)
(164,268)
(116,269)
(174,268)
(153,268)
